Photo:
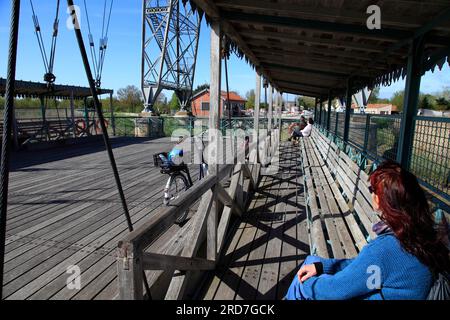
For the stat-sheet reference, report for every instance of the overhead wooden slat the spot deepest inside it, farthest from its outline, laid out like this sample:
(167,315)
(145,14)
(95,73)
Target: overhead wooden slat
(328,42)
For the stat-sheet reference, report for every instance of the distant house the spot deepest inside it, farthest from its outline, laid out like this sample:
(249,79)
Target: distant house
(200,104)
(377,108)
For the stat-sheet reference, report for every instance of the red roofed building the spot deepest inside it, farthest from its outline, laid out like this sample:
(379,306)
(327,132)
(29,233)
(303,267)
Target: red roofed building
(200,104)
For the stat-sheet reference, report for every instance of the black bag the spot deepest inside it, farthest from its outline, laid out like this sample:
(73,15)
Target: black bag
(440,290)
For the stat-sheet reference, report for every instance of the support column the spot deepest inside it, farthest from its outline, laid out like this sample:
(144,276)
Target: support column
(72,116)
(330,101)
(15,129)
(315,110)
(86,117)
(412,90)
(320,111)
(215,82)
(256,114)
(111,109)
(348,109)
(270,109)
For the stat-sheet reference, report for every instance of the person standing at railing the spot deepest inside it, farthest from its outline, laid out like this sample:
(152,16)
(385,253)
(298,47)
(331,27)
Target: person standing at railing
(401,263)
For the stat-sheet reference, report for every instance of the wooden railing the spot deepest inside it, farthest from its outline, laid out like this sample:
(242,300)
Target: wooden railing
(210,223)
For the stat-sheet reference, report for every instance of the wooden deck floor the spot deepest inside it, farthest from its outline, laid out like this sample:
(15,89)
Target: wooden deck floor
(64,210)
(269,242)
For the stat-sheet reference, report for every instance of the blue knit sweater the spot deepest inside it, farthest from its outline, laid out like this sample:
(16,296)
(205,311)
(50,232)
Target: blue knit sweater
(402,275)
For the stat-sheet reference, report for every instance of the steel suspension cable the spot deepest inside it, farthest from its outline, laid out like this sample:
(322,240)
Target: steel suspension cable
(103,42)
(7,128)
(54,38)
(37,29)
(91,40)
(106,140)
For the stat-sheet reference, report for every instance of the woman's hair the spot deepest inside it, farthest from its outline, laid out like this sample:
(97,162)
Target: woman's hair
(311,121)
(405,209)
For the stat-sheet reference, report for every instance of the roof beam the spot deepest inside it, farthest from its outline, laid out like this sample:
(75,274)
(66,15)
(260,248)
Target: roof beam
(296,38)
(305,70)
(422,31)
(299,91)
(315,12)
(304,84)
(296,48)
(331,27)
(305,58)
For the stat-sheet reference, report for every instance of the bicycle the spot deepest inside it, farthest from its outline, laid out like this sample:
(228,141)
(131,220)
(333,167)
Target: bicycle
(179,180)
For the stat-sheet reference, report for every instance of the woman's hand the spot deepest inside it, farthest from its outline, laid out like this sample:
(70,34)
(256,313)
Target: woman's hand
(306,272)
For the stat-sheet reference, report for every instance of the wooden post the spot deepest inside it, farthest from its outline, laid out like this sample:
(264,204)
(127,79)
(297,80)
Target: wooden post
(130,273)
(270,109)
(280,114)
(256,114)
(320,111)
(412,90)
(348,109)
(215,96)
(72,116)
(15,130)
(330,101)
(86,117)
(211,230)
(111,109)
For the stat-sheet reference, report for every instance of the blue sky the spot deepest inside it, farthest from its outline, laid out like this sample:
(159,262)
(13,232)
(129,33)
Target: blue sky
(122,65)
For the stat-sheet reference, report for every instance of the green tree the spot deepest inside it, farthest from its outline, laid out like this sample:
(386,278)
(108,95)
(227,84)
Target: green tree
(174,104)
(250,96)
(200,87)
(130,97)
(398,99)
(427,101)
(375,95)
(442,104)
(306,102)
(161,106)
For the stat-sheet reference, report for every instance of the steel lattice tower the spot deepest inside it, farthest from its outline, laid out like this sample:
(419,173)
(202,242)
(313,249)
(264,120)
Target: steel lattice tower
(170,35)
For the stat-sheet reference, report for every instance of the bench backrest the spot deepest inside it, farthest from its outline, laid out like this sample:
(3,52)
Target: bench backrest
(352,180)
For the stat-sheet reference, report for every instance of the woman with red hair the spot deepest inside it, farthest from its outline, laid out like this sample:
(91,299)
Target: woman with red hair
(401,263)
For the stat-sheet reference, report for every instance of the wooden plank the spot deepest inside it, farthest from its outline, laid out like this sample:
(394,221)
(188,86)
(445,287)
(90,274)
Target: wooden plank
(318,241)
(231,278)
(344,236)
(195,236)
(325,211)
(267,286)
(156,261)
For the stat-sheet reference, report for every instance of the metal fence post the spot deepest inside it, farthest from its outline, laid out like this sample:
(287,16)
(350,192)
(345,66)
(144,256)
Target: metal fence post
(348,110)
(329,111)
(336,124)
(366,134)
(315,110)
(412,89)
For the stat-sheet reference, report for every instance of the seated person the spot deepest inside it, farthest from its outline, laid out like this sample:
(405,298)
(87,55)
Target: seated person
(407,251)
(305,132)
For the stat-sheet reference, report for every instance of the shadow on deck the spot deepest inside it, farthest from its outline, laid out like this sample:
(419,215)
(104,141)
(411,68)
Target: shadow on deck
(267,244)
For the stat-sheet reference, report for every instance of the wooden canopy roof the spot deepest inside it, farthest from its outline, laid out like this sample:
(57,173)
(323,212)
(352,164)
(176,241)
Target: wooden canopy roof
(310,47)
(29,89)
